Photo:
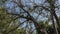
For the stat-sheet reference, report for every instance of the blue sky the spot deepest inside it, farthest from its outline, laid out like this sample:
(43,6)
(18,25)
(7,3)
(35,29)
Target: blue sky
(30,4)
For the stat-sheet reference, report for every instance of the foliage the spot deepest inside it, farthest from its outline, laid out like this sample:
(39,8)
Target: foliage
(20,18)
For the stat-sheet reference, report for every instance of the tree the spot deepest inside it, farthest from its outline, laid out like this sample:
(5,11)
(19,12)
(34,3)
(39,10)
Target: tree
(23,11)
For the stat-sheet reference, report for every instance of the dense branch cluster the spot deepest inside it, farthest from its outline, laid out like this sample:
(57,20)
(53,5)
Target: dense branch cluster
(12,19)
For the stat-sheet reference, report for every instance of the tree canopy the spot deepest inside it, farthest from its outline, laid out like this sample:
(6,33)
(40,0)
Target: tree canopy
(29,17)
